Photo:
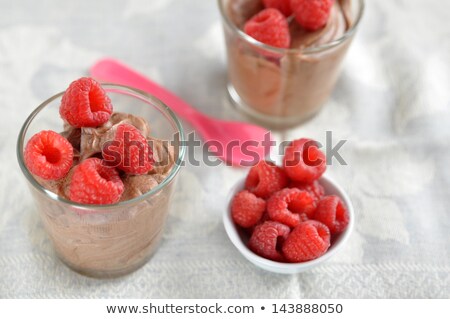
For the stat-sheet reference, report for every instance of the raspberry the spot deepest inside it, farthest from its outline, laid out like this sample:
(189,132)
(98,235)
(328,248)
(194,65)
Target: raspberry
(129,151)
(95,183)
(265,178)
(303,161)
(247,209)
(284,6)
(267,239)
(85,104)
(312,14)
(307,241)
(265,217)
(269,27)
(48,155)
(332,212)
(314,189)
(291,206)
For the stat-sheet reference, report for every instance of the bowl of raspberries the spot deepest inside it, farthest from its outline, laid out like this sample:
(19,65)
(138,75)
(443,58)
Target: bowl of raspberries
(289,218)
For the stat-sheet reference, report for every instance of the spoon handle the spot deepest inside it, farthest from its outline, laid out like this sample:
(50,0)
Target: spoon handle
(111,70)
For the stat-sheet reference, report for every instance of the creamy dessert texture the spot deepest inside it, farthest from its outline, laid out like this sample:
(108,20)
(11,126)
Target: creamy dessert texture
(107,243)
(87,142)
(293,84)
(110,241)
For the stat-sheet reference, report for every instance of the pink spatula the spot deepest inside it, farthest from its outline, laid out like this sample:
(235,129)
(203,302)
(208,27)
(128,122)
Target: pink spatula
(240,143)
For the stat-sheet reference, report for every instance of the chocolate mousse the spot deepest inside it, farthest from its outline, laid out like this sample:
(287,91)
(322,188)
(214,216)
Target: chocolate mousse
(88,142)
(288,86)
(115,241)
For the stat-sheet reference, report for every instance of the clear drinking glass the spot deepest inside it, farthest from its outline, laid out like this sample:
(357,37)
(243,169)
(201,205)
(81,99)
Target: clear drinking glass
(281,87)
(107,240)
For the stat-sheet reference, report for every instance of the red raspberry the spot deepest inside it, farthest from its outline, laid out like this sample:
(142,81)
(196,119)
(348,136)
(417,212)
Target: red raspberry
(303,161)
(312,14)
(85,104)
(129,151)
(307,241)
(247,209)
(270,27)
(48,155)
(95,183)
(284,6)
(291,207)
(314,189)
(265,217)
(267,239)
(265,178)
(332,212)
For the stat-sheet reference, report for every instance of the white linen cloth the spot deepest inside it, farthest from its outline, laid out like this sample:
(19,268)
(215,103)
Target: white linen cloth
(392,104)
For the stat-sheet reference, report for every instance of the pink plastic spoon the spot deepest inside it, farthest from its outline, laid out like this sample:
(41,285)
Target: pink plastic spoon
(241,143)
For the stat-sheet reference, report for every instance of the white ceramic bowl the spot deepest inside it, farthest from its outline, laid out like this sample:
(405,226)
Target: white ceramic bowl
(239,239)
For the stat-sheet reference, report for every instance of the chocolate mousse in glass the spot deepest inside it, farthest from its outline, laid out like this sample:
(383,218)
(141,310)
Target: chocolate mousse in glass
(283,87)
(108,240)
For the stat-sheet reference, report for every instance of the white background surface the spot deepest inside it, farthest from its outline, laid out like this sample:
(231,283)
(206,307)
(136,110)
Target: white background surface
(229,308)
(392,104)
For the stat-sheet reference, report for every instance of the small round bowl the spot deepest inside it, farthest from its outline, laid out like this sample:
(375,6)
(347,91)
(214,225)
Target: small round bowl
(240,239)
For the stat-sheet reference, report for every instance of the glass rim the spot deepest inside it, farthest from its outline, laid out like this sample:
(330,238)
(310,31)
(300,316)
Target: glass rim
(304,51)
(157,103)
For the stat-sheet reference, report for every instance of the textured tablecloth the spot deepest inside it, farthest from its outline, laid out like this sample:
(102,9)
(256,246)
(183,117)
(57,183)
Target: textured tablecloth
(392,104)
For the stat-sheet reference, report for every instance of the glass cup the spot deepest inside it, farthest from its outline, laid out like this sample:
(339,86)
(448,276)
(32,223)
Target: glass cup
(282,87)
(107,240)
